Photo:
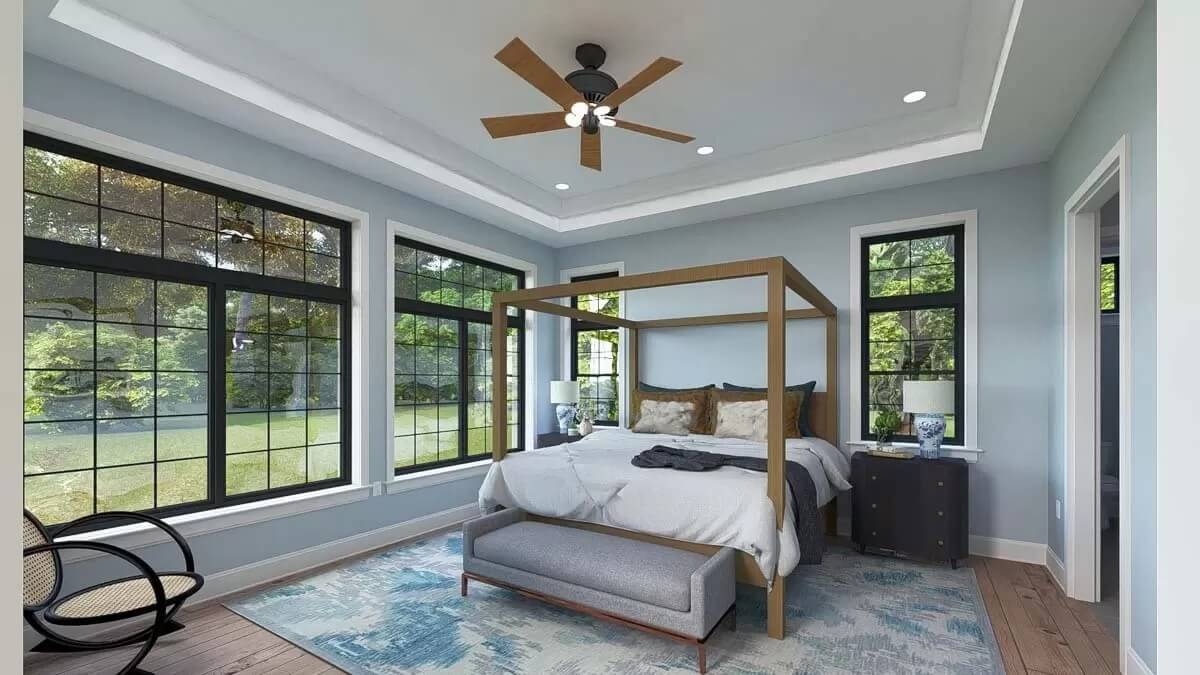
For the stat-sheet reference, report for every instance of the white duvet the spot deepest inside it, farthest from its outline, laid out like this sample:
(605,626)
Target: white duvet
(592,480)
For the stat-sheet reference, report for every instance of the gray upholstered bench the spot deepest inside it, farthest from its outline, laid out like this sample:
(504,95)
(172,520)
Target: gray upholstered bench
(666,591)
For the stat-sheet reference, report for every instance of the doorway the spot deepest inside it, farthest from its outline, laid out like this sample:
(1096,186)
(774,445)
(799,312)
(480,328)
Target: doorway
(1097,360)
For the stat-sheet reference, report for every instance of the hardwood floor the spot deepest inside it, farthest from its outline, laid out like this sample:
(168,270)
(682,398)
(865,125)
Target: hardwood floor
(1040,632)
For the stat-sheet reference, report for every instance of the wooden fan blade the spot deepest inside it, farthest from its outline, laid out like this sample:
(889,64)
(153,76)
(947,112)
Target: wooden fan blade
(530,67)
(653,73)
(589,149)
(651,131)
(517,125)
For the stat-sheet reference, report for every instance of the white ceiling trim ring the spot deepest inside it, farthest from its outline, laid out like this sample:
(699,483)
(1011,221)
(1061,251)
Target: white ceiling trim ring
(155,48)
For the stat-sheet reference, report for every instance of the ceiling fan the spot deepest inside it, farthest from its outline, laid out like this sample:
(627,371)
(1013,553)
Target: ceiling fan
(589,98)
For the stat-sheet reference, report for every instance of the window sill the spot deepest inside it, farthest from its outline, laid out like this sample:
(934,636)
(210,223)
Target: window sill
(190,525)
(445,474)
(972,455)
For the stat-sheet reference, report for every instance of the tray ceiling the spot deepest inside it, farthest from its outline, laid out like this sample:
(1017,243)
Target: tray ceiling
(791,94)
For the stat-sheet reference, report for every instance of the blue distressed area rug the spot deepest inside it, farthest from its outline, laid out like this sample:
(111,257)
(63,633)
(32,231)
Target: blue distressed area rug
(399,611)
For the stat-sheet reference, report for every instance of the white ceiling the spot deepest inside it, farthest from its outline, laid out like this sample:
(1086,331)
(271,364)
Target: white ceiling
(801,99)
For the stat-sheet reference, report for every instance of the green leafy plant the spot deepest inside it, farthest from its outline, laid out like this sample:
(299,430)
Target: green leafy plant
(887,422)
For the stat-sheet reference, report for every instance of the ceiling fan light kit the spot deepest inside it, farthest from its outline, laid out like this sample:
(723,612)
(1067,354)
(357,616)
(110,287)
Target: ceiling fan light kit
(589,98)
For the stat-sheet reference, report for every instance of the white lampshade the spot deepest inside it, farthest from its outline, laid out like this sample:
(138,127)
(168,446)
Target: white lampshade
(564,391)
(926,396)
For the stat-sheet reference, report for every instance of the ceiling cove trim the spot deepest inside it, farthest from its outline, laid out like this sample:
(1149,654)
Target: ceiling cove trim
(132,38)
(125,35)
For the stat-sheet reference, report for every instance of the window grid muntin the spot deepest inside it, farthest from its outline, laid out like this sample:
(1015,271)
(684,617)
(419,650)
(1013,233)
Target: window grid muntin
(91,258)
(217,194)
(97,467)
(578,328)
(869,305)
(465,317)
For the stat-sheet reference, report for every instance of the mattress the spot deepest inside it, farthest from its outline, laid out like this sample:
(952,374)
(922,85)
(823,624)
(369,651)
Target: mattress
(592,480)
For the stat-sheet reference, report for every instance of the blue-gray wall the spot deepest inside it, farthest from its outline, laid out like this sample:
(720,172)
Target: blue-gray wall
(65,93)
(1016,347)
(1122,102)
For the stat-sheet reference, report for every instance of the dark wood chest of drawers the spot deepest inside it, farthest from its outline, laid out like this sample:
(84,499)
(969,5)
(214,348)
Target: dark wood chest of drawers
(915,507)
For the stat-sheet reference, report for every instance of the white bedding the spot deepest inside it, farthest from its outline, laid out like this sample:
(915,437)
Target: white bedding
(592,480)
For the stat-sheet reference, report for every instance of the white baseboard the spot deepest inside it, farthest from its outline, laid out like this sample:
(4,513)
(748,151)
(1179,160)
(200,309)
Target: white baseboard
(1058,571)
(1008,549)
(1134,665)
(228,582)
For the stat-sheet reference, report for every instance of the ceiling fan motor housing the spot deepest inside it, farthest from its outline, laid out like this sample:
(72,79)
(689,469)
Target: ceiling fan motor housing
(591,82)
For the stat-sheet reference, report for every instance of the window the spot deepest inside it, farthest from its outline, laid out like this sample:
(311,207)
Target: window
(596,350)
(912,328)
(1110,276)
(443,358)
(183,342)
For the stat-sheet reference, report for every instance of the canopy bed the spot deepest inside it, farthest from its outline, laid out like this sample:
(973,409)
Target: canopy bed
(764,561)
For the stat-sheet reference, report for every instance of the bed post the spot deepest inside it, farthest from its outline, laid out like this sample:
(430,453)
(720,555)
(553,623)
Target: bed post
(633,376)
(776,373)
(499,380)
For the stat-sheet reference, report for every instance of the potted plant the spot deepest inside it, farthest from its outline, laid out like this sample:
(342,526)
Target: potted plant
(887,422)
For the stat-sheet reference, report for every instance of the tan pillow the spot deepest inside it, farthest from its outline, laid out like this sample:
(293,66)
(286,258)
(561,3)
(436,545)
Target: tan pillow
(697,397)
(665,417)
(791,406)
(742,419)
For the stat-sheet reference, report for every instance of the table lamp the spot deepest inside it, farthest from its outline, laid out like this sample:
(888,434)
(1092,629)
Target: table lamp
(929,401)
(566,394)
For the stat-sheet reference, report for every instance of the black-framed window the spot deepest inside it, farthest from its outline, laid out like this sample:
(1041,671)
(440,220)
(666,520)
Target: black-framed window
(595,354)
(443,357)
(185,342)
(1110,282)
(912,304)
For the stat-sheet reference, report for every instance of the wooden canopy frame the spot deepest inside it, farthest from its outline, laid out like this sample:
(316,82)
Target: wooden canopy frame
(781,276)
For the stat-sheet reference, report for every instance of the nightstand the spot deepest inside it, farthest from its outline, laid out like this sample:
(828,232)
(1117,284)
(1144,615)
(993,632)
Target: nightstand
(555,438)
(915,507)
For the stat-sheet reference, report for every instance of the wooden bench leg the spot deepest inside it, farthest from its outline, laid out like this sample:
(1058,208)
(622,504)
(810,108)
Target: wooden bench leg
(701,661)
(463,590)
(775,618)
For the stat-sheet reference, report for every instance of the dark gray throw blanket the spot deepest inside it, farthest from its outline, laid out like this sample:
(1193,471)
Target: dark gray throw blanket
(804,494)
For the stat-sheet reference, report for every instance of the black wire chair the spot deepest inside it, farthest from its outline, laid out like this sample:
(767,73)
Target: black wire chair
(144,593)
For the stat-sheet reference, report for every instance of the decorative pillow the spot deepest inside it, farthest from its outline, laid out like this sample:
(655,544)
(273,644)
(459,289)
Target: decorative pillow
(697,397)
(807,388)
(792,401)
(642,386)
(665,417)
(742,419)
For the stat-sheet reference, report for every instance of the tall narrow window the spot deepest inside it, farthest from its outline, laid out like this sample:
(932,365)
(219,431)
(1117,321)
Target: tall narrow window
(596,354)
(443,357)
(912,302)
(1110,275)
(183,342)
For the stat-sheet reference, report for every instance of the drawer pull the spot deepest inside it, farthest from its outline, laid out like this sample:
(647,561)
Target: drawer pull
(873,533)
(941,484)
(939,513)
(874,506)
(874,477)
(940,542)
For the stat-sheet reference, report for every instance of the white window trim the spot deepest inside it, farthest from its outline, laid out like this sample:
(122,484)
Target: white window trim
(564,332)
(970,449)
(418,479)
(200,522)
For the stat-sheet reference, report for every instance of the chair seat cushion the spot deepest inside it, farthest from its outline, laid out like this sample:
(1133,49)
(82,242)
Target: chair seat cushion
(650,573)
(120,598)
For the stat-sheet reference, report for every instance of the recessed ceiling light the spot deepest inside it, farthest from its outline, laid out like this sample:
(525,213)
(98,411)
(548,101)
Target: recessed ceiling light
(914,96)
(561,186)
(704,150)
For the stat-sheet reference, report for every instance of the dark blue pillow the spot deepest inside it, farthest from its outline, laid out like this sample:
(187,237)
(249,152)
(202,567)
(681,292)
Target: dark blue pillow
(802,424)
(642,386)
